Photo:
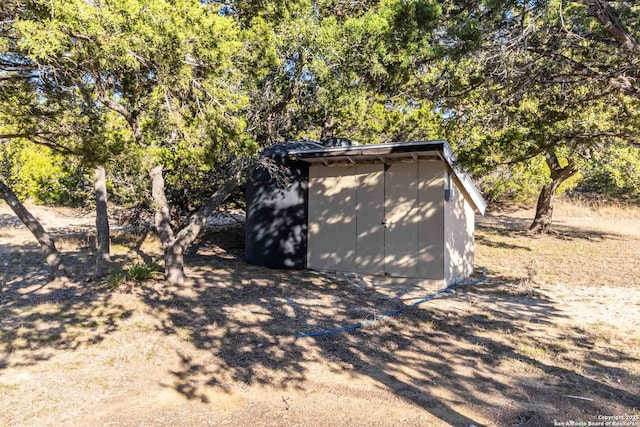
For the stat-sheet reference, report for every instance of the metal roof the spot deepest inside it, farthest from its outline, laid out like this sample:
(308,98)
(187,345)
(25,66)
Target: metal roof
(390,152)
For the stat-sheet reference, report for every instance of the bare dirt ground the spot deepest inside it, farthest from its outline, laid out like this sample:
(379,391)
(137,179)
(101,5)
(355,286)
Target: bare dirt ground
(551,337)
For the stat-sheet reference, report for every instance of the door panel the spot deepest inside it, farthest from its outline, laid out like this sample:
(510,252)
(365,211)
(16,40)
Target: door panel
(369,218)
(401,217)
(332,218)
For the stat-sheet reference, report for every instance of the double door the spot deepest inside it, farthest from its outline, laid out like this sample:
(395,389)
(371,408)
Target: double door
(369,218)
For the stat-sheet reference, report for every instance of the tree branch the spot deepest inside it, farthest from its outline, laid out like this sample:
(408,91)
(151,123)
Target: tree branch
(128,115)
(15,135)
(188,234)
(44,139)
(615,79)
(555,55)
(610,20)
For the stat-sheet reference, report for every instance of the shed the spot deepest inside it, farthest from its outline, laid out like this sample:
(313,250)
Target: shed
(400,209)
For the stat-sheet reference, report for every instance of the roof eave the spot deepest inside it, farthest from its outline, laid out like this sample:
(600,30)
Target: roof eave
(374,149)
(391,151)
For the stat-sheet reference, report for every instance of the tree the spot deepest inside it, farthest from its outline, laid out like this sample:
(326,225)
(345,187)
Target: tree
(614,173)
(174,244)
(334,68)
(543,83)
(47,244)
(34,108)
(619,27)
(166,69)
(180,90)
(162,70)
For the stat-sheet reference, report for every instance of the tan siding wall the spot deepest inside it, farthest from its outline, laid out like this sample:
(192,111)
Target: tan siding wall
(431,260)
(459,223)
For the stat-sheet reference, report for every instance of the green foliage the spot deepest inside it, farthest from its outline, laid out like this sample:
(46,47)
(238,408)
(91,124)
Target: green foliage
(137,83)
(135,273)
(127,179)
(341,69)
(192,84)
(44,176)
(540,93)
(614,173)
(141,271)
(518,182)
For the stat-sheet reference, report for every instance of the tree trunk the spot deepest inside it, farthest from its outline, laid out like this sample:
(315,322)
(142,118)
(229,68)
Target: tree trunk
(103,257)
(544,208)
(47,244)
(173,262)
(174,246)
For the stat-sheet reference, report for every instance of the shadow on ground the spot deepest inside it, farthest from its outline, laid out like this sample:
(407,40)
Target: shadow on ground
(242,320)
(516,227)
(39,316)
(246,317)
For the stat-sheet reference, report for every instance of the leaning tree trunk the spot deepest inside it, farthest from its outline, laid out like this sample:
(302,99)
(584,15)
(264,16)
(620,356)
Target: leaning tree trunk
(103,257)
(47,244)
(544,208)
(175,245)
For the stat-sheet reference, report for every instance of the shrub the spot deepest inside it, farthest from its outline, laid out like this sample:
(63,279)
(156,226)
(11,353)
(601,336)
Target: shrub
(136,273)
(142,271)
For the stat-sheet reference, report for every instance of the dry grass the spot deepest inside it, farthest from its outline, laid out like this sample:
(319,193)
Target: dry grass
(551,335)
